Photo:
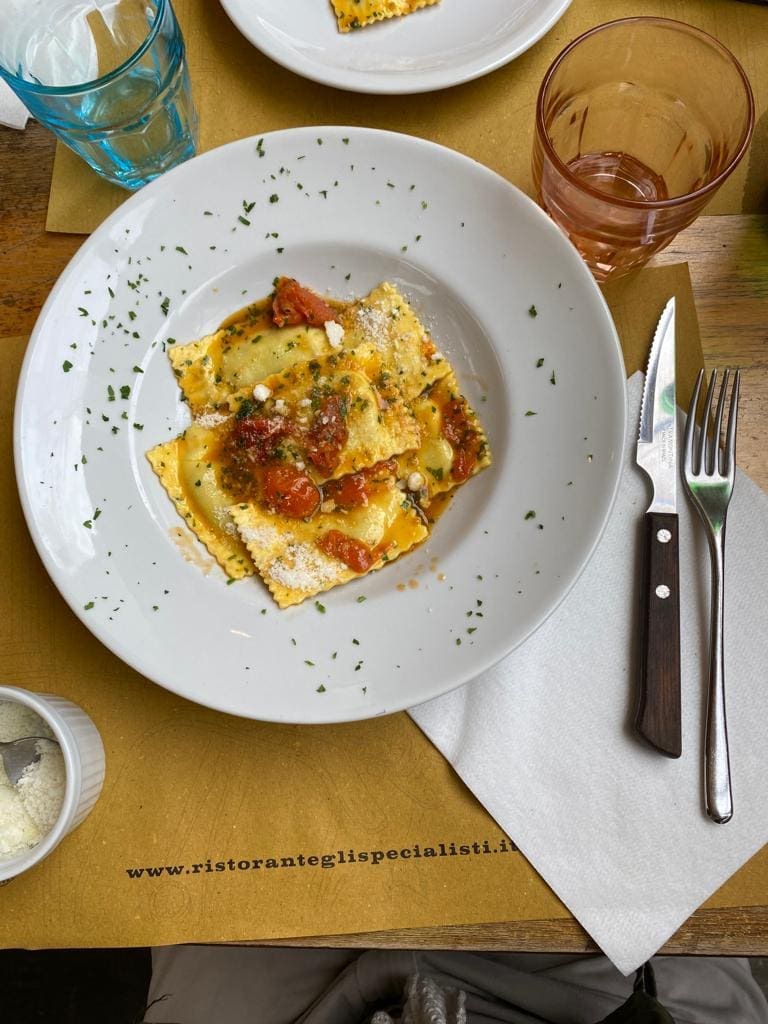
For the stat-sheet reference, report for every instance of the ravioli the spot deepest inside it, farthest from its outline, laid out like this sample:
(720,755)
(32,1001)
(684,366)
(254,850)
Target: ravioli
(313,398)
(250,347)
(240,356)
(452,446)
(402,345)
(352,14)
(319,420)
(299,559)
(192,485)
(327,438)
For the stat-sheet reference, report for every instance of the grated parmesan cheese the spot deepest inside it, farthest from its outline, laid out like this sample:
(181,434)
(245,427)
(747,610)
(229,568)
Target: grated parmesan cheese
(263,536)
(261,392)
(211,419)
(374,324)
(303,568)
(28,810)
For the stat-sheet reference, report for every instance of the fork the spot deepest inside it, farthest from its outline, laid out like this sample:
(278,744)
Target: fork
(708,475)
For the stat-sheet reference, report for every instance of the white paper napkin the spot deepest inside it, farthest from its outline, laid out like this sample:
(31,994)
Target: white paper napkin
(13,113)
(544,740)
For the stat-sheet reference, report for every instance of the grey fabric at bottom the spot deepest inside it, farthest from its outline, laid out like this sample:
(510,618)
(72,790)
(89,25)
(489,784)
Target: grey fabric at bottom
(239,984)
(254,985)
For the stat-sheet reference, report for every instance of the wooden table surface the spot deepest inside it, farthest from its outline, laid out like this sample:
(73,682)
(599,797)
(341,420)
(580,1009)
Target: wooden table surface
(728,258)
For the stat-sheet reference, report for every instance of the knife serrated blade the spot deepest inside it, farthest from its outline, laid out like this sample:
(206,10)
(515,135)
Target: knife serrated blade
(658,713)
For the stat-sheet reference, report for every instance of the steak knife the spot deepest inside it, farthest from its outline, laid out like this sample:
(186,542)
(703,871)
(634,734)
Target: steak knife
(658,710)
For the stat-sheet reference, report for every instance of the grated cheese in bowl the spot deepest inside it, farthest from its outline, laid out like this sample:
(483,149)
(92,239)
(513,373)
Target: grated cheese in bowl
(29,810)
(57,793)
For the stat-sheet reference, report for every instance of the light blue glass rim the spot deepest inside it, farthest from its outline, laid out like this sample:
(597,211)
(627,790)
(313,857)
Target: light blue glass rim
(95,83)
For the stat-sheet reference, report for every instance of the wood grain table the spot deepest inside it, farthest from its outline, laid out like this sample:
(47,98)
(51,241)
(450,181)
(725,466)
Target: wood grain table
(728,258)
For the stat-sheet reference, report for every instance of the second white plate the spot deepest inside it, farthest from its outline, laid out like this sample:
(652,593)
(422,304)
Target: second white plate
(446,44)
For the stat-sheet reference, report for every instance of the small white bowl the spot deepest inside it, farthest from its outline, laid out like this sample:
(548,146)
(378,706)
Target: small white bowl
(84,764)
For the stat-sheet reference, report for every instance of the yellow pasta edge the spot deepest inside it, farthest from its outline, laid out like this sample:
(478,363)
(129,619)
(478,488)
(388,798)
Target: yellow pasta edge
(230,552)
(368,12)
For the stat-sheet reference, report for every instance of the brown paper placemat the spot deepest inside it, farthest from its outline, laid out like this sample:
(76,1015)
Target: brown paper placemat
(199,809)
(239,92)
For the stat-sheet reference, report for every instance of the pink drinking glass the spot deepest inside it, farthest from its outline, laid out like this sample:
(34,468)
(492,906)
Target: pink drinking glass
(638,123)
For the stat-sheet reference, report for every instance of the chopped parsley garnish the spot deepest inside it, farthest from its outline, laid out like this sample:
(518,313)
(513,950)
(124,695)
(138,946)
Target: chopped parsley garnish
(66,366)
(530,514)
(532,311)
(320,689)
(88,606)
(553,379)
(436,471)
(244,220)
(320,607)
(125,391)
(308,662)
(181,249)
(165,305)
(246,408)
(539,363)
(274,198)
(361,599)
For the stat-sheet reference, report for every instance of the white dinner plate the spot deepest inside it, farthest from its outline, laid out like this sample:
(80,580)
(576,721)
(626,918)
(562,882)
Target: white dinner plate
(451,42)
(341,209)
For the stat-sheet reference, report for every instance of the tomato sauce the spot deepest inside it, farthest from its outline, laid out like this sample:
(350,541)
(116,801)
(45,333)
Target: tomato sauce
(463,437)
(328,434)
(260,435)
(294,304)
(356,489)
(353,553)
(288,491)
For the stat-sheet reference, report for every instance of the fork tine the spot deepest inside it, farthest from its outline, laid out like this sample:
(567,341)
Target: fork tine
(729,456)
(690,426)
(716,454)
(703,464)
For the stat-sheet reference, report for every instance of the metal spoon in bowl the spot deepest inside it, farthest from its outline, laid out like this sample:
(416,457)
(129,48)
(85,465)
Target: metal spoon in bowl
(18,754)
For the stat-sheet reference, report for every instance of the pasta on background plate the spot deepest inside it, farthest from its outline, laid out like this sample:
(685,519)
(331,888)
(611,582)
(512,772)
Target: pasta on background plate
(353,14)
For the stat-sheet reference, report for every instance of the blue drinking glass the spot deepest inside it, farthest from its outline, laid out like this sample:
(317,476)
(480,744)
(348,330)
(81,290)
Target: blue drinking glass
(110,79)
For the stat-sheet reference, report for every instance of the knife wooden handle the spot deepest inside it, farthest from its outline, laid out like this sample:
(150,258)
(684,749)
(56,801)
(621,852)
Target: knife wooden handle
(658,711)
